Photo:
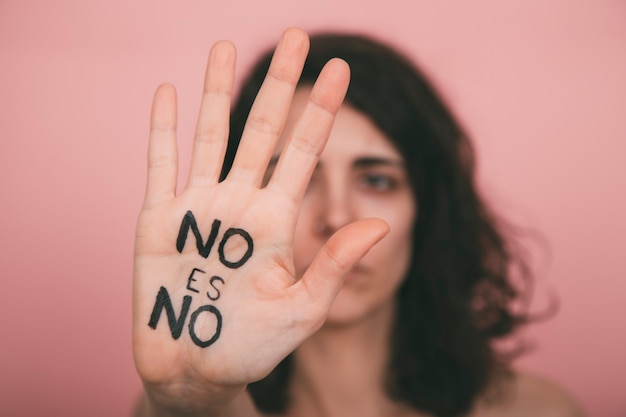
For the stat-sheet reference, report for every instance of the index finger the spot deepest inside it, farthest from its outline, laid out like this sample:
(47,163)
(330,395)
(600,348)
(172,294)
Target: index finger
(212,127)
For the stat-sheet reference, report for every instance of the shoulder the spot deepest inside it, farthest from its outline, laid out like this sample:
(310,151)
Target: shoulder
(544,397)
(523,394)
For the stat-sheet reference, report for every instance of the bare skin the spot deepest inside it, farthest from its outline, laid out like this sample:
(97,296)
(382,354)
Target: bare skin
(339,370)
(288,295)
(179,377)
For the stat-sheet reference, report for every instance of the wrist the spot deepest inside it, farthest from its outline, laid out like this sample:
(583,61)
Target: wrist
(229,402)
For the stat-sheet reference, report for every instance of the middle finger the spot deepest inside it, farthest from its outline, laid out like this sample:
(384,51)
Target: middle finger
(271,108)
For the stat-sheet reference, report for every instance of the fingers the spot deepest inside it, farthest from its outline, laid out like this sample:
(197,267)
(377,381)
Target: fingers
(271,108)
(211,135)
(302,151)
(324,277)
(162,150)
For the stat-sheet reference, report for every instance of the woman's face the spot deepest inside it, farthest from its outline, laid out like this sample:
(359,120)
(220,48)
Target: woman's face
(360,174)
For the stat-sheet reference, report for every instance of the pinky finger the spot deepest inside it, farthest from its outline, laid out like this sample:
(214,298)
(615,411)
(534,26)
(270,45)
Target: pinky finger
(162,149)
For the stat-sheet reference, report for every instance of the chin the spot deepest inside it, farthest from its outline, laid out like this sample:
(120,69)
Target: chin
(350,308)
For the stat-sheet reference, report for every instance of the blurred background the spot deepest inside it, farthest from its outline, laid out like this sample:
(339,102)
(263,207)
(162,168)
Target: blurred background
(540,85)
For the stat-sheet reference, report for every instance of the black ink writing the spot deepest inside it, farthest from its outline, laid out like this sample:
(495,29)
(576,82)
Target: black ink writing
(162,302)
(192,326)
(233,232)
(191,278)
(189,222)
(212,283)
(204,249)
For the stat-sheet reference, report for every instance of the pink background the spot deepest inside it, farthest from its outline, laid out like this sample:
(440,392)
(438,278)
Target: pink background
(541,86)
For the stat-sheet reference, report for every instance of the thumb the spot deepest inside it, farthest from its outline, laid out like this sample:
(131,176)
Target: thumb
(323,279)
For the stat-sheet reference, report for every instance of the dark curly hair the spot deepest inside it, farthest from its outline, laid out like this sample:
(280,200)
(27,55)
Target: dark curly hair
(458,293)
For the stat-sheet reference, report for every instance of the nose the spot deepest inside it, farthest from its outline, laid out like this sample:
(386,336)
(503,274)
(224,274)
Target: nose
(335,209)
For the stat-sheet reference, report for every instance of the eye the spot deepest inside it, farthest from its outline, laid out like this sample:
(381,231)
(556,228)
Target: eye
(377,182)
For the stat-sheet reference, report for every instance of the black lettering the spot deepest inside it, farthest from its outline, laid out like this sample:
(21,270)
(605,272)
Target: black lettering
(211,281)
(192,324)
(191,278)
(163,301)
(229,233)
(189,222)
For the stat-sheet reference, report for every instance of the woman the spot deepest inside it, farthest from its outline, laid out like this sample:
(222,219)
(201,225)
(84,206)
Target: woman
(406,330)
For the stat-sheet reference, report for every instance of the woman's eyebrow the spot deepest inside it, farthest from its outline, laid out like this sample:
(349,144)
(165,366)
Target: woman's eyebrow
(377,161)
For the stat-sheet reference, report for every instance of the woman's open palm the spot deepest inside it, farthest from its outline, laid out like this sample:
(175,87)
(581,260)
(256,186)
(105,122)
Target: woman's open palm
(216,299)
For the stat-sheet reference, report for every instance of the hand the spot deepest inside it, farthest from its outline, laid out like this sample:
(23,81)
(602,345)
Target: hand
(216,301)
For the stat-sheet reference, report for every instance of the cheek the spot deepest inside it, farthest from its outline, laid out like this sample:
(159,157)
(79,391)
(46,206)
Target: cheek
(391,256)
(393,253)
